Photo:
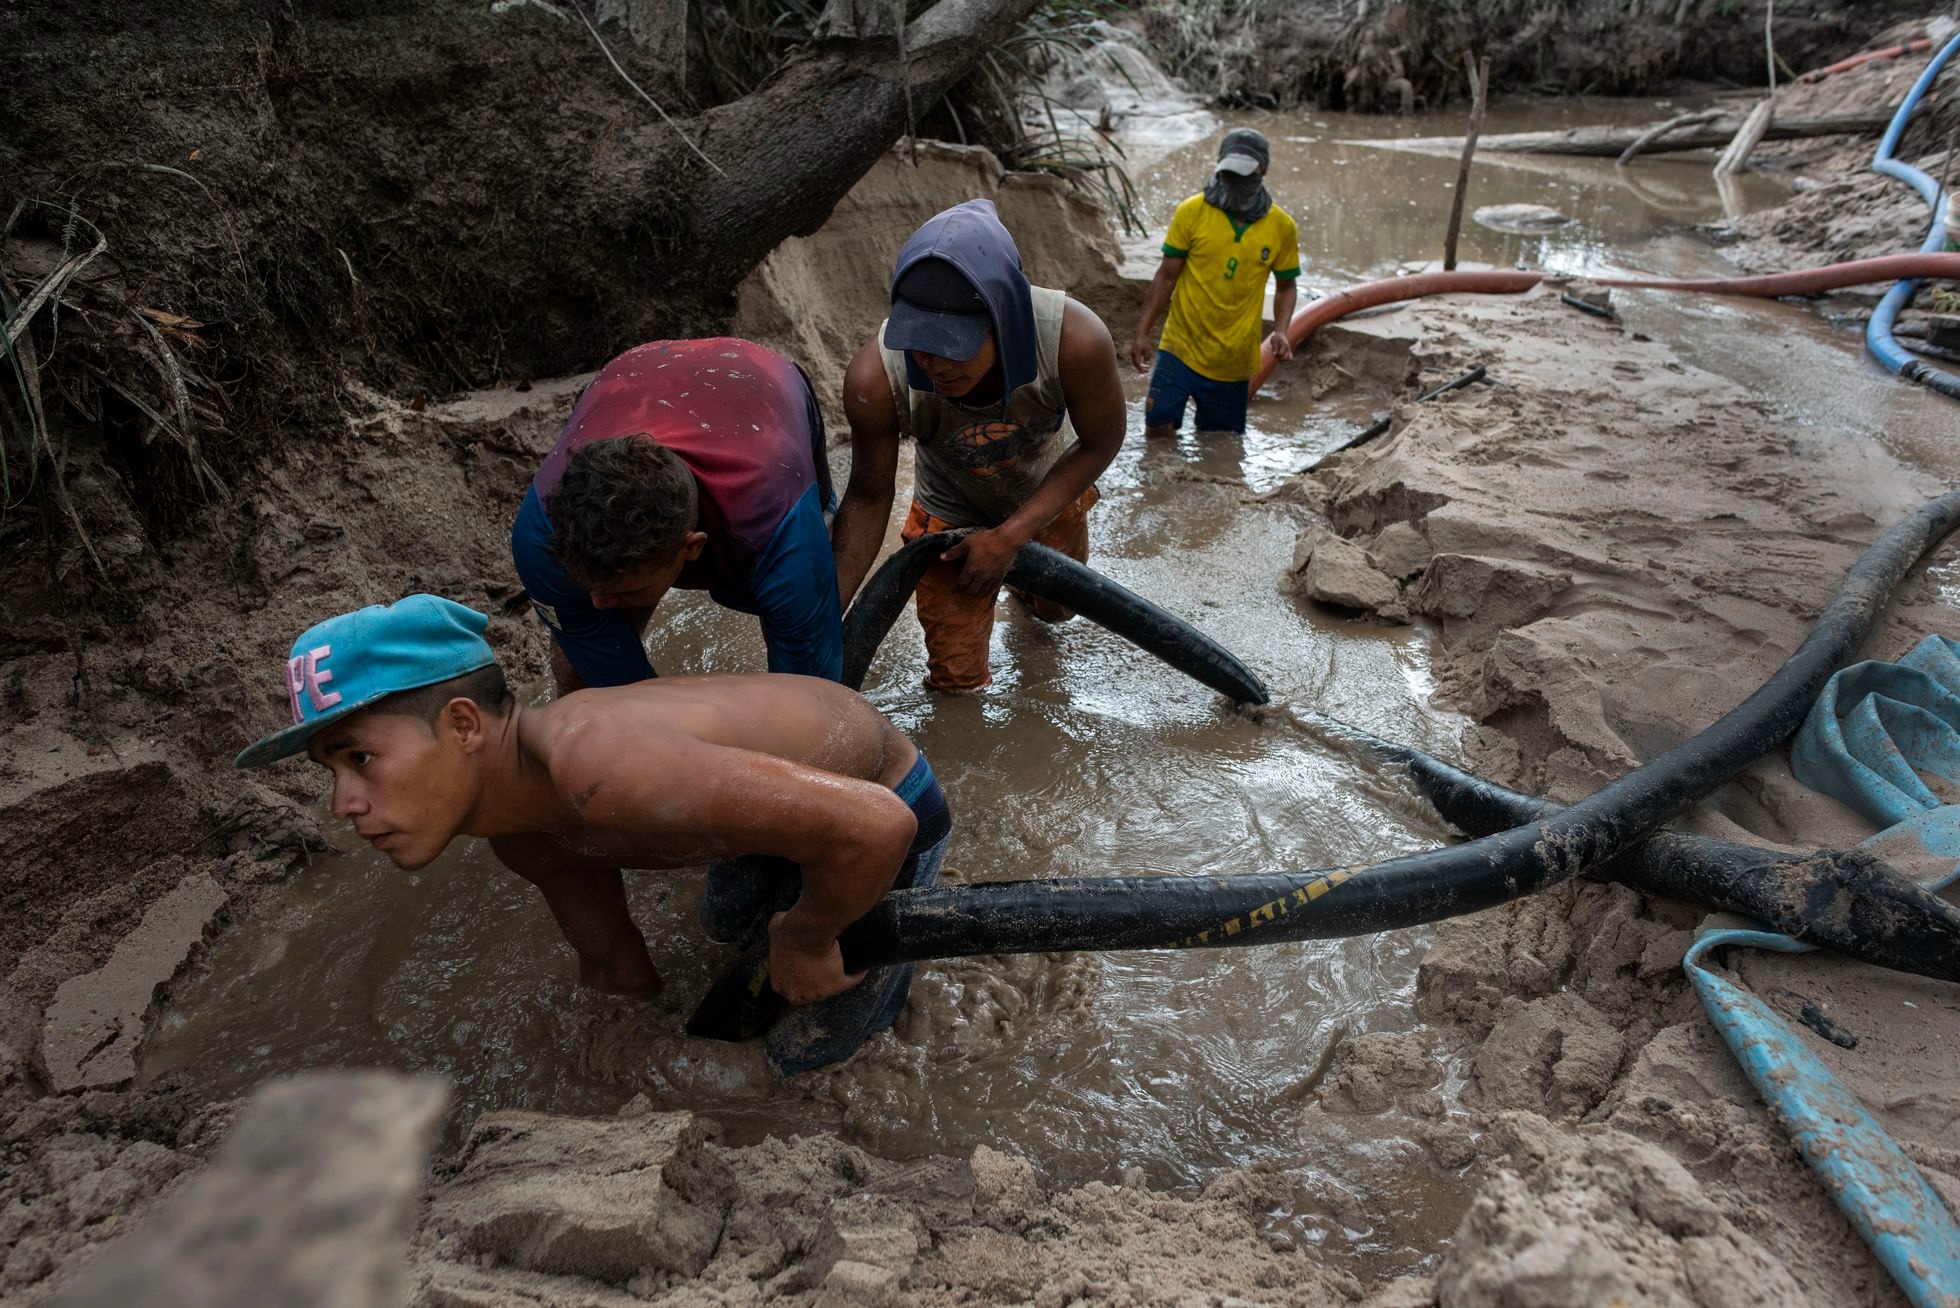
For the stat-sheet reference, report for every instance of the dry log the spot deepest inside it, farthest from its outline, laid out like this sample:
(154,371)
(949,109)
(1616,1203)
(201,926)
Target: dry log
(1760,120)
(1609,142)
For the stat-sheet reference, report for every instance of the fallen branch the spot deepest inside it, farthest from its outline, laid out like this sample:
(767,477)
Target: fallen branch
(1648,138)
(1747,138)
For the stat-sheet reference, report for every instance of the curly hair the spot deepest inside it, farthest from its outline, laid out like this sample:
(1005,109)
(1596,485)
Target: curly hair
(622,503)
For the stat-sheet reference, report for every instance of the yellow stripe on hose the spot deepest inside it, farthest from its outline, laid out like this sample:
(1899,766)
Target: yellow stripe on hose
(1268,911)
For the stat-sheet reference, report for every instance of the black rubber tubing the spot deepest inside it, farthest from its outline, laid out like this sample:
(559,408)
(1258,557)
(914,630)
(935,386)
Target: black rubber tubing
(1109,913)
(1115,913)
(1055,576)
(1848,900)
(1381,425)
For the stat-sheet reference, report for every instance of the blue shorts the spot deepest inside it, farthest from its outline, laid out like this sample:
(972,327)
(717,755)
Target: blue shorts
(1220,404)
(744,893)
(793,590)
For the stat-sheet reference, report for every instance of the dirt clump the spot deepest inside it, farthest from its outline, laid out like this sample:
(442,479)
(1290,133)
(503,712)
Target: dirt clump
(1587,1216)
(816,1221)
(1373,1070)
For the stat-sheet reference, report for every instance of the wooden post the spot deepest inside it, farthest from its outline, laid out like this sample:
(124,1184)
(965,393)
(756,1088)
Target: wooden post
(1479,87)
(1736,157)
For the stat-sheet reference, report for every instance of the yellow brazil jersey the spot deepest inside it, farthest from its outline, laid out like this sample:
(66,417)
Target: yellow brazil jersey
(1216,305)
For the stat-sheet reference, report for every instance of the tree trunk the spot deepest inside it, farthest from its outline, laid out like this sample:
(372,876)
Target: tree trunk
(658,29)
(860,18)
(806,138)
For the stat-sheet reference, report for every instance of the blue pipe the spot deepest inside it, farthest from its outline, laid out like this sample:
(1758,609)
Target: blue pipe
(1878,333)
(1869,1177)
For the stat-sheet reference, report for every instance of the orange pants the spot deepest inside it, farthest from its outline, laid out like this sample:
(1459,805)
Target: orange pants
(959,627)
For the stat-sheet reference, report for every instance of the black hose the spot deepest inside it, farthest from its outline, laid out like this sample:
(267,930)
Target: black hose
(1587,306)
(1927,375)
(1054,576)
(1381,425)
(1096,913)
(1848,900)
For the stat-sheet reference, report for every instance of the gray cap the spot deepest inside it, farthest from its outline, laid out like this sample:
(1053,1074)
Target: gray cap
(1243,151)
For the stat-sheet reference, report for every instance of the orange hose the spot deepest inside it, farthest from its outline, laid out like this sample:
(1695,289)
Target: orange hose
(1389,291)
(1846,65)
(1810,281)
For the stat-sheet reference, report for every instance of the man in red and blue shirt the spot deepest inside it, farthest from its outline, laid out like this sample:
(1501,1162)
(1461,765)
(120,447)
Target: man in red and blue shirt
(697,464)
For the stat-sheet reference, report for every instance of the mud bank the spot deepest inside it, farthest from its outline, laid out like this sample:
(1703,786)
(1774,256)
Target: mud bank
(1614,546)
(1398,57)
(1842,209)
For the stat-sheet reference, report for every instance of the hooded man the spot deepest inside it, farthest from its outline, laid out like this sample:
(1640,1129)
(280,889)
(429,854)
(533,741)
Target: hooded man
(1222,245)
(1012,396)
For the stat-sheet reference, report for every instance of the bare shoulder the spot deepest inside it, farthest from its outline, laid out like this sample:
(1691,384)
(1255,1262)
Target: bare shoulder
(590,749)
(1085,337)
(867,391)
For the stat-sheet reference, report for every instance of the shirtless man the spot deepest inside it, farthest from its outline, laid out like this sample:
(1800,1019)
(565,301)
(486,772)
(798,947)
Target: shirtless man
(407,707)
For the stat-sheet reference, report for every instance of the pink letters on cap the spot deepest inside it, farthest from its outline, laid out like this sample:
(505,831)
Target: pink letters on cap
(303,672)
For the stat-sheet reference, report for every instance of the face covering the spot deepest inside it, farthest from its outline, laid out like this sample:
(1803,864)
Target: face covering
(1244,199)
(1242,196)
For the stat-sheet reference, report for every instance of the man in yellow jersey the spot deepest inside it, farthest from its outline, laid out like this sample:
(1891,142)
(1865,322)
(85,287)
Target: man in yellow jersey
(1222,245)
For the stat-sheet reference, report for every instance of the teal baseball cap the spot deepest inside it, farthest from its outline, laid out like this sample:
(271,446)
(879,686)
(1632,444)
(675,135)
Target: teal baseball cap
(348,663)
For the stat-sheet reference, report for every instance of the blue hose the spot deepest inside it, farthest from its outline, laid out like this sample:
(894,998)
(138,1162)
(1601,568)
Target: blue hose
(1878,334)
(1869,1177)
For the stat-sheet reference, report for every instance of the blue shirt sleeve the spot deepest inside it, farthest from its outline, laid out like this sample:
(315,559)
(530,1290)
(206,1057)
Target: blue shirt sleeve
(794,587)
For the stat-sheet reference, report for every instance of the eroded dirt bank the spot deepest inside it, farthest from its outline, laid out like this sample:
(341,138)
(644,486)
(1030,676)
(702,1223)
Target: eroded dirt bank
(1397,56)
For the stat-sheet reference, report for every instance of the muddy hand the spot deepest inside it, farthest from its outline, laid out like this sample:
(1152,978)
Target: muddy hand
(802,976)
(1142,354)
(1281,347)
(986,556)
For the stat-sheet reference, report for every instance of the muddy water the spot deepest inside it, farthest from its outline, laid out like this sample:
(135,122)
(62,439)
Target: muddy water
(1363,211)
(1084,758)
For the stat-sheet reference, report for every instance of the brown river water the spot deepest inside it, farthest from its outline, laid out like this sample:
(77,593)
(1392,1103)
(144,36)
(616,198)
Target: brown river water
(1084,758)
